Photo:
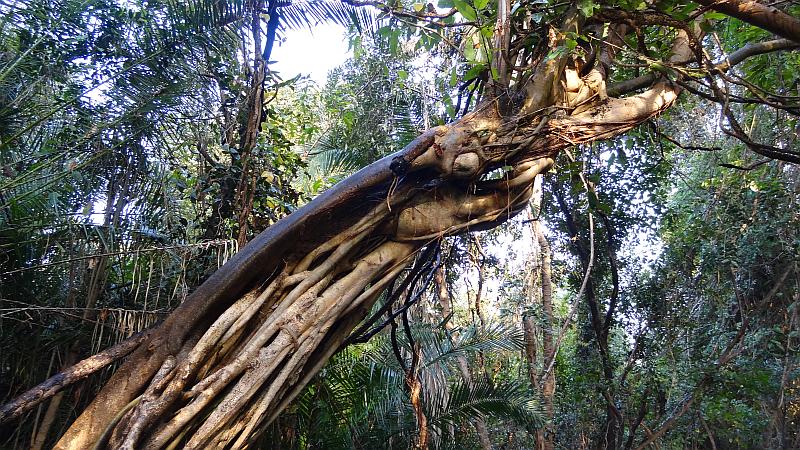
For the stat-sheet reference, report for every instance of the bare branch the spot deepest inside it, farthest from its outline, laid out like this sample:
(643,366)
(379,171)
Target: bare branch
(753,49)
(746,168)
(758,14)
(58,382)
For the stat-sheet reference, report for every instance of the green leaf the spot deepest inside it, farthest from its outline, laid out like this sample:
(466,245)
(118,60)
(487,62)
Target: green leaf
(714,16)
(597,205)
(466,10)
(571,44)
(449,106)
(555,53)
(684,12)
(474,71)
(394,41)
(587,8)
(623,157)
(480,4)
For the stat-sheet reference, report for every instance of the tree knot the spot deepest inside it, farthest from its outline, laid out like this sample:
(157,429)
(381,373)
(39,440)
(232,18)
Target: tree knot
(400,166)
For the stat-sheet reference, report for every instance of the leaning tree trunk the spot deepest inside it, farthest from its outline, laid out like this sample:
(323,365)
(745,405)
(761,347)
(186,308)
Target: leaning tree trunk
(227,361)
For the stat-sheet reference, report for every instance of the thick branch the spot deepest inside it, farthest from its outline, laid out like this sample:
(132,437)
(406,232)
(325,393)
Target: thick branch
(758,14)
(754,49)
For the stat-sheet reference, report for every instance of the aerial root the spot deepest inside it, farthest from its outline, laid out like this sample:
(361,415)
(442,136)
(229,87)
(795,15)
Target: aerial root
(366,224)
(238,360)
(250,370)
(310,325)
(276,397)
(140,417)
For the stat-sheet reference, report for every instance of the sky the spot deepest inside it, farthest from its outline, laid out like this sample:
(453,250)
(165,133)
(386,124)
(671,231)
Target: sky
(311,53)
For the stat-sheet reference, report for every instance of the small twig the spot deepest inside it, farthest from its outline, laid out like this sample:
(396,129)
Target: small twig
(746,168)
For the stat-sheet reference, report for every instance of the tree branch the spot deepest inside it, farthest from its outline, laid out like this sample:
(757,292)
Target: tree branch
(733,59)
(753,49)
(758,14)
(61,380)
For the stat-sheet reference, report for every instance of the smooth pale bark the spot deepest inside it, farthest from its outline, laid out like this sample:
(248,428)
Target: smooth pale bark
(540,296)
(548,349)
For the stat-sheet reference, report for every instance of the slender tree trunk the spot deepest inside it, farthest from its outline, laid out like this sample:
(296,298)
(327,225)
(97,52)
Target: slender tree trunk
(117,199)
(73,354)
(415,392)
(251,126)
(40,437)
(548,350)
(541,295)
(237,195)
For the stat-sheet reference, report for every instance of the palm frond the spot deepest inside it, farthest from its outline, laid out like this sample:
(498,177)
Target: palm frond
(308,14)
(363,389)
(494,338)
(203,15)
(507,400)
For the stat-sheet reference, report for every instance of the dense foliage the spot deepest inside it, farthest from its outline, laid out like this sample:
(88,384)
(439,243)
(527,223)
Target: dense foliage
(142,143)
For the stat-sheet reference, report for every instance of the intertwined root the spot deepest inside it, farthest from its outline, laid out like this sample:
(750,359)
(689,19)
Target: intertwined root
(260,352)
(249,361)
